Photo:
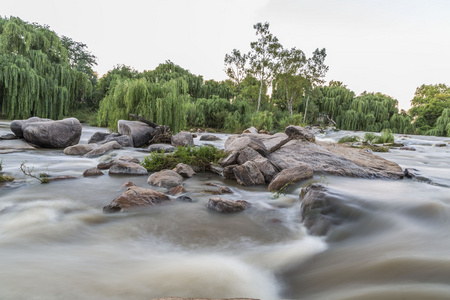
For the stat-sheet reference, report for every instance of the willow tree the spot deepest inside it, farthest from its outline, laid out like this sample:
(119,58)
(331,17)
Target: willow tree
(161,101)
(442,126)
(36,78)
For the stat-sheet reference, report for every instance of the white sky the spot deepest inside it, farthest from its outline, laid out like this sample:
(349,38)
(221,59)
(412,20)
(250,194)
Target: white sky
(388,46)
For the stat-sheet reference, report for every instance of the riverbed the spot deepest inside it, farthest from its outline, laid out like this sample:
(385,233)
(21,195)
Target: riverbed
(56,242)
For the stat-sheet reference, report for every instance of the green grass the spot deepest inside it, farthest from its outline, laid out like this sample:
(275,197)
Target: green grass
(194,156)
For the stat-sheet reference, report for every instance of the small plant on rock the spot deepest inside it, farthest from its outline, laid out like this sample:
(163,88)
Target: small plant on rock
(349,139)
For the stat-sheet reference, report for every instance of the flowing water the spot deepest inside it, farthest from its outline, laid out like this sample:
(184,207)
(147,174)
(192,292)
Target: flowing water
(56,243)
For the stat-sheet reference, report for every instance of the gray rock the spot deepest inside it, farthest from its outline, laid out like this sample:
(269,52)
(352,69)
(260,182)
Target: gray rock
(105,165)
(166,148)
(16,125)
(98,137)
(176,190)
(92,172)
(216,169)
(335,159)
(297,132)
(139,132)
(80,149)
(184,198)
(127,158)
(165,178)
(102,149)
(248,174)
(247,141)
(183,138)
(266,168)
(209,137)
(228,172)
(323,209)
(247,154)
(227,206)
(53,134)
(9,136)
(231,159)
(15,145)
(134,197)
(292,175)
(184,170)
(120,167)
(251,130)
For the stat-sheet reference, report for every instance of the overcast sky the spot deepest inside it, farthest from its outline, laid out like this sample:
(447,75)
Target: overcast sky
(388,46)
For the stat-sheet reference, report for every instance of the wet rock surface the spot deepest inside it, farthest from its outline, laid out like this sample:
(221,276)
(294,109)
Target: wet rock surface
(165,178)
(134,197)
(139,132)
(183,138)
(227,206)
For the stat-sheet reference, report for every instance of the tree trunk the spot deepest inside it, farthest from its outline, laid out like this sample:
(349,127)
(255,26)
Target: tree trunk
(259,98)
(306,108)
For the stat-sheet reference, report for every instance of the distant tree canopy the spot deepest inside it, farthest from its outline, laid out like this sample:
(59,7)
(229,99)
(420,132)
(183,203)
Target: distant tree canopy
(36,75)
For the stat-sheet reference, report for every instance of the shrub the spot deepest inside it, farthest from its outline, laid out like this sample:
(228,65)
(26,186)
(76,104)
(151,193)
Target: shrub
(369,137)
(349,139)
(385,137)
(262,120)
(197,156)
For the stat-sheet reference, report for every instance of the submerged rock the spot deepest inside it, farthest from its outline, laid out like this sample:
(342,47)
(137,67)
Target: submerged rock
(227,206)
(176,190)
(134,197)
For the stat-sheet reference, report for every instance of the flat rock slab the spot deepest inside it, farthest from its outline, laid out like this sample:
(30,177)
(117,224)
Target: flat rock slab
(120,167)
(15,145)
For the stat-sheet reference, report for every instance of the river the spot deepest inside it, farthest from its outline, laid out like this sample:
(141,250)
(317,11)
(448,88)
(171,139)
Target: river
(56,243)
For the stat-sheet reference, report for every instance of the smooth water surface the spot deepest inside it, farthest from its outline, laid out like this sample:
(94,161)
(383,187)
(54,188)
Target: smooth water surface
(56,243)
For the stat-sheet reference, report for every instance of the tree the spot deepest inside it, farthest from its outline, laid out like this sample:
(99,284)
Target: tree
(314,73)
(289,83)
(36,78)
(263,56)
(80,58)
(235,67)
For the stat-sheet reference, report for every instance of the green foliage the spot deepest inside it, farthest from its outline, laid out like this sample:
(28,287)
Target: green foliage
(295,119)
(195,156)
(369,137)
(262,120)
(349,139)
(208,113)
(36,78)
(442,126)
(385,137)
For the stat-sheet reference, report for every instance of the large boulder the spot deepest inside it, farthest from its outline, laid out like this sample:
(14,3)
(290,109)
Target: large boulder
(98,137)
(120,167)
(227,206)
(334,159)
(53,134)
(80,149)
(16,125)
(183,138)
(288,176)
(249,174)
(134,197)
(323,209)
(102,149)
(266,168)
(139,132)
(165,178)
(123,140)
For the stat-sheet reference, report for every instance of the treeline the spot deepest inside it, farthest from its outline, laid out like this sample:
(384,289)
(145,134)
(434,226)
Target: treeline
(45,75)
